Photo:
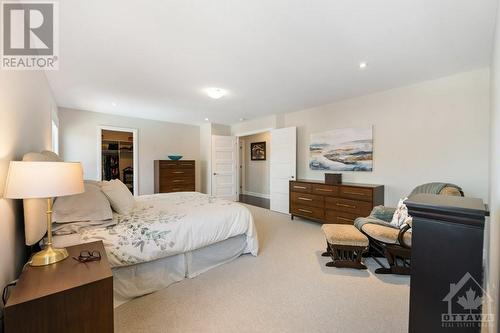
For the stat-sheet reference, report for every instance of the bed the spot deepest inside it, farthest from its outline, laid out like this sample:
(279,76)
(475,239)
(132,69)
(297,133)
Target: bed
(164,239)
(172,236)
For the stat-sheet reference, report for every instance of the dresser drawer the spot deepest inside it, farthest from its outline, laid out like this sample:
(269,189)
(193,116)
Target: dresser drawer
(186,164)
(308,199)
(308,211)
(177,180)
(325,189)
(333,216)
(359,208)
(168,165)
(177,172)
(356,193)
(300,187)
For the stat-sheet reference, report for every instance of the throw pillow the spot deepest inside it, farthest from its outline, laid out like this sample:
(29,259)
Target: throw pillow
(400,217)
(91,205)
(121,199)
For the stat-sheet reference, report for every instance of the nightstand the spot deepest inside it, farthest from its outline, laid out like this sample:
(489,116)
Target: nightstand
(67,296)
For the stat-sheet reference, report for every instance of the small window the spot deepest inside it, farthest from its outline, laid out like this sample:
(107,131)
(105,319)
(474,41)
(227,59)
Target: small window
(55,137)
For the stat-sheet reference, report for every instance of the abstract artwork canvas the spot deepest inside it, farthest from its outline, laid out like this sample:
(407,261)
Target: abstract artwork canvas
(348,149)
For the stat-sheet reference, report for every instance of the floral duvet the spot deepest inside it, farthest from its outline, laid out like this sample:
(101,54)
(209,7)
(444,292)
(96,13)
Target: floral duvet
(163,225)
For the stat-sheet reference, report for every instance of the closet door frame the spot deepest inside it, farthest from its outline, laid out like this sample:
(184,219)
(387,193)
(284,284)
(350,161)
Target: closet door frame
(135,148)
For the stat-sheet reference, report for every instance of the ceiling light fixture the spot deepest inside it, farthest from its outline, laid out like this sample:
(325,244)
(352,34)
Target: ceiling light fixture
(206,119)
(113,104)
(363,65)
(242,119)
(215,93)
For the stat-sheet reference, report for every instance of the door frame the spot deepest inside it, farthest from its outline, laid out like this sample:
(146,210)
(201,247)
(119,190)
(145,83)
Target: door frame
(241,160)
(135,149)
(243,151)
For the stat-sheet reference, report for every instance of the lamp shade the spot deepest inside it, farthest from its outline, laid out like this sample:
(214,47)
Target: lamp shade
(27,180)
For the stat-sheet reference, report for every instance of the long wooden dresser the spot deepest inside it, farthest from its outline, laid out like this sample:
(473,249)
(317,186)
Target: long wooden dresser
(174,176)
(341,203)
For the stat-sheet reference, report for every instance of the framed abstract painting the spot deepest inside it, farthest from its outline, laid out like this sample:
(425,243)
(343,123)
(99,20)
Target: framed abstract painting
(348,149)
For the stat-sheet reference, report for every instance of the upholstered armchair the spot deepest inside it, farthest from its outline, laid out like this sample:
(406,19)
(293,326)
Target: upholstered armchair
(392,242)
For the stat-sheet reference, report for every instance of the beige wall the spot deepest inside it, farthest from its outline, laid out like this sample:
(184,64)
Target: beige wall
(156,140)
(256,172)
(26,105)
(432,131)
(253,126)
(493,225)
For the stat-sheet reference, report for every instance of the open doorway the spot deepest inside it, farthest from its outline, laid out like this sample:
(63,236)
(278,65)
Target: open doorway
(255,169)
(118,155)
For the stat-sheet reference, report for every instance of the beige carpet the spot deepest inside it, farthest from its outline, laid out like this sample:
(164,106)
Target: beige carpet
(287,288)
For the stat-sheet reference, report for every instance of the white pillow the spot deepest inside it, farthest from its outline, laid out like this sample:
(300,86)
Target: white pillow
(91,205)
(400,217)
(121,199)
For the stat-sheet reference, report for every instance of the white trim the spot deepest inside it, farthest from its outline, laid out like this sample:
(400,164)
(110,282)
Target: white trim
(242,156)
(254,132)
(135,148)
(255,194)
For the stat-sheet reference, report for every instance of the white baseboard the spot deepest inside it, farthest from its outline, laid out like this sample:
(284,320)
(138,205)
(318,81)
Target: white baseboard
(255,194)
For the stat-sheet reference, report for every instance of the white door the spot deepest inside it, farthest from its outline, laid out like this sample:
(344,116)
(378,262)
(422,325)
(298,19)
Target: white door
(224,167)
(282,166)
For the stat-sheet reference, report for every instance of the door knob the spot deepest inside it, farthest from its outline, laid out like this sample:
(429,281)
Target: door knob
(215,173)
(293,177)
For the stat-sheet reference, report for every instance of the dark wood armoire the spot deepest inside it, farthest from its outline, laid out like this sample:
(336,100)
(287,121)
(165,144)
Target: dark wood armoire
(446,286)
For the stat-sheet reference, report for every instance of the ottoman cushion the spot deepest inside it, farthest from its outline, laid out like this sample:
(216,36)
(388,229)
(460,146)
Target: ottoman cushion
(344,234)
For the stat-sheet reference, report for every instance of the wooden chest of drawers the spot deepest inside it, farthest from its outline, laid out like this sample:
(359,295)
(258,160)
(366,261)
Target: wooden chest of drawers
(174,176)
(341,203)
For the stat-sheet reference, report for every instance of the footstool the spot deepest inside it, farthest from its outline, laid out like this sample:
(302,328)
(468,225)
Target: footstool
(344,244)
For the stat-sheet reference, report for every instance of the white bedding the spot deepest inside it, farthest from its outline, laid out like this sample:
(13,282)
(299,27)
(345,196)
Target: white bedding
(164,225)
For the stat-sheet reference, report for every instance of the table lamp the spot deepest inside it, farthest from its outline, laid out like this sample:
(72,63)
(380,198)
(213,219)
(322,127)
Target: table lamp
(30,180)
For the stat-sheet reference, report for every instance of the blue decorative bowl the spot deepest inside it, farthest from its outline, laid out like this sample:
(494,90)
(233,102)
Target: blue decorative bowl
(175,157)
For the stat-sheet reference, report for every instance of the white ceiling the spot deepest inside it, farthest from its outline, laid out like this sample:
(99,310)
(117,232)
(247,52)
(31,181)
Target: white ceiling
(153,58)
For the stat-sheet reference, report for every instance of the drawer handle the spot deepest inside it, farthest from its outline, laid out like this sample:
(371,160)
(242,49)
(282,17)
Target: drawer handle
(344,205)
(301,187)
(354,193)
(177,181)
(305,199)
(178,172)
(344,219)
(176,189)
(324,190)
(305,210)
(187,164)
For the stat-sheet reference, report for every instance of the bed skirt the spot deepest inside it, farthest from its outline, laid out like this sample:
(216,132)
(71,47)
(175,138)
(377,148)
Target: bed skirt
(141,279)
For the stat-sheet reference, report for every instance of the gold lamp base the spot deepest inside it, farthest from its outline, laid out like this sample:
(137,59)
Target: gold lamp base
(48,256)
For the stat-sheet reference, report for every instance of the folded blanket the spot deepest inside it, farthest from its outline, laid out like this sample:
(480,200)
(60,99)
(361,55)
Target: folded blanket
(434,188)
(361,221)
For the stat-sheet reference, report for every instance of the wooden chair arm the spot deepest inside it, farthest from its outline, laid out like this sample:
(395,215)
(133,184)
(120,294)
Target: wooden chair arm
(401,234)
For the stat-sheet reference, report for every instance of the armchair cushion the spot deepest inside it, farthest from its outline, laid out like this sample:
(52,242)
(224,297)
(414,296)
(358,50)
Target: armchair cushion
(383,213)
(385,234)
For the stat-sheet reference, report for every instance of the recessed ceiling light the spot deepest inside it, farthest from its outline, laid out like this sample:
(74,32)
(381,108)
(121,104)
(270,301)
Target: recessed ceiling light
(242,119)
(206,119)
(363,65)
(215,93)
(113,104)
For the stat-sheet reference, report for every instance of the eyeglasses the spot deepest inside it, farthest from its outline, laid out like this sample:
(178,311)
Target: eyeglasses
(86,256)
